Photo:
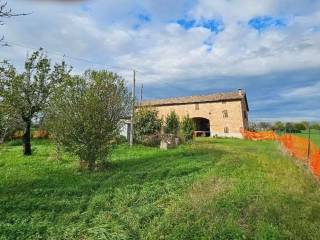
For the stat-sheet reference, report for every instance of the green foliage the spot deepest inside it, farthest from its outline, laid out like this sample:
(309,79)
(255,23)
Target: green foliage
(278,126)
(27,93)
(187,128)
(6,121)
(315,126)
(210,189)
(84,115)
(146,123)
(172,123)
(300,126)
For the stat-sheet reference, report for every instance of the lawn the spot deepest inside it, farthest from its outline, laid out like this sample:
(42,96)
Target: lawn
(211,189)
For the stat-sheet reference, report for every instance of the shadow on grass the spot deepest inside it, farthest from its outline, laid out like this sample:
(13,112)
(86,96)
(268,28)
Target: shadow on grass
(57,188)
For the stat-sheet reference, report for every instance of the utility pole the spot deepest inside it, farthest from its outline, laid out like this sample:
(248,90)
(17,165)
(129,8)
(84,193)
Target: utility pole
(141,93)
(133,106)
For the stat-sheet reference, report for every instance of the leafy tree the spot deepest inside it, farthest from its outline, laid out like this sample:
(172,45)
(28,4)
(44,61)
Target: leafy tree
(187,128)
(6,121)
(264,126)
(289,127)
(278,126)
(300,126)
(252,127)
(27,93)
(84,115)
(172,123)
(315,126)
(146,123)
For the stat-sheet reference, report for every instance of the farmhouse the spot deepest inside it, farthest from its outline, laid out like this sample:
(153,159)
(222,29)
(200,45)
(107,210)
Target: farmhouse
(220,114)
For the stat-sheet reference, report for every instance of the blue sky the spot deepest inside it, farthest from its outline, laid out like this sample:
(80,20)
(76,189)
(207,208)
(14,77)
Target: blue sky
(270,48)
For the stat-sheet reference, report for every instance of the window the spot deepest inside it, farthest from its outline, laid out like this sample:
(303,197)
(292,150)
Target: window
(196,106)
(226,130)
(225,114)
(245,115)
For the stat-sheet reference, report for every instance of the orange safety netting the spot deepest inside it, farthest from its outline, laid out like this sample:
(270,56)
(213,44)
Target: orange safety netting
(298,147)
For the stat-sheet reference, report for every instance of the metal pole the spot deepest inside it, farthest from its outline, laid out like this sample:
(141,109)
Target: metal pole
(141,93)
(133,106)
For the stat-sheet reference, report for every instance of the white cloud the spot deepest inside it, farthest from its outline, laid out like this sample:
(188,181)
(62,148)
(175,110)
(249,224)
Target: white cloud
(163,51)
(304,92)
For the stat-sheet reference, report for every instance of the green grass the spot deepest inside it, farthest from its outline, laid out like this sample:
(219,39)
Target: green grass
(314,136)
(211,189)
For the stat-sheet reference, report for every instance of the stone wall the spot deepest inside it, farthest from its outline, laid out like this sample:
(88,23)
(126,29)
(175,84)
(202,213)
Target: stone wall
(214,112)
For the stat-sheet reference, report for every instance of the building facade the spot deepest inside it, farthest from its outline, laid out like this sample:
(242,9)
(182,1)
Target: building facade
(220,114)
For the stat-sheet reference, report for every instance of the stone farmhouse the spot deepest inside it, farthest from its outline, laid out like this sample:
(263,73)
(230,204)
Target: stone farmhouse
(220,114)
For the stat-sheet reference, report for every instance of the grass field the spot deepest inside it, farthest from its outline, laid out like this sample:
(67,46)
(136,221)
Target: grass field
(314,136)
(211,189)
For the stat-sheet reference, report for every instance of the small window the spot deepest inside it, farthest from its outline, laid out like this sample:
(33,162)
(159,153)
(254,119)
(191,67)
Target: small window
(226,130)
(245,115)
(197,106)
(225,114)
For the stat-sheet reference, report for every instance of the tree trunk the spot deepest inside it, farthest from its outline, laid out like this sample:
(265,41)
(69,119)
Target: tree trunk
(27,139)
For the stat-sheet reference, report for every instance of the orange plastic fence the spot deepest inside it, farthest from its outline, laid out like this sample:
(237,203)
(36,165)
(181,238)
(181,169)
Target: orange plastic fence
(298,147)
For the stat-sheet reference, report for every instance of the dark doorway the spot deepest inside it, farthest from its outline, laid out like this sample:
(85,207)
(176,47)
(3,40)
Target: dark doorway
(202,127)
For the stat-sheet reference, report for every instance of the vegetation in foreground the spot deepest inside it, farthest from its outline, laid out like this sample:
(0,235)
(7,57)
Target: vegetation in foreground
(210,189)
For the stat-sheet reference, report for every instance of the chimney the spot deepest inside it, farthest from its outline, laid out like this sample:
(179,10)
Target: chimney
(241,92)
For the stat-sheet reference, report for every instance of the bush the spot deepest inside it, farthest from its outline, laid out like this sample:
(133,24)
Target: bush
(187,128)
(84,115)
(172,123)
(146,124)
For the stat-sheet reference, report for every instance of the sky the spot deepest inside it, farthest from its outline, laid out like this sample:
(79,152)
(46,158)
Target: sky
(270,48)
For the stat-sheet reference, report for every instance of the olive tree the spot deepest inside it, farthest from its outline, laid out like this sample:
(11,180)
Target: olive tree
(27,93)
(84,115)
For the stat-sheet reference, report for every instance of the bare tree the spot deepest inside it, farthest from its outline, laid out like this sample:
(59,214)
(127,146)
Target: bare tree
(6,12)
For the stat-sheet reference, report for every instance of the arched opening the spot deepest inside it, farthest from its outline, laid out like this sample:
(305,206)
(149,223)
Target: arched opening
(202,127)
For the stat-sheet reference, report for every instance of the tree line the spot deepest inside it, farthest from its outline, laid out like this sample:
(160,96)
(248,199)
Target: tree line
(291,127)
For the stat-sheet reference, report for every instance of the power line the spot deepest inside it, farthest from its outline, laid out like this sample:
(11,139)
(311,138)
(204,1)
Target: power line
(10,44)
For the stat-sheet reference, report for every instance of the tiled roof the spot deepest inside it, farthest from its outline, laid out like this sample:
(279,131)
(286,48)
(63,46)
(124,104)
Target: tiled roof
(226,96)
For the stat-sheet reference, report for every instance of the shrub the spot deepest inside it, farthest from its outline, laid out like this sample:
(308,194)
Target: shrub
(84,115)
(187,128)
(146,123)
(172,123)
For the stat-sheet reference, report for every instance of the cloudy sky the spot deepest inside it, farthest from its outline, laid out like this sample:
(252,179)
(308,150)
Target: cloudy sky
(270,48)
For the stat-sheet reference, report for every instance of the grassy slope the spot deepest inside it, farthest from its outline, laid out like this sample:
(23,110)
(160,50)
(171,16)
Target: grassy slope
(214,188)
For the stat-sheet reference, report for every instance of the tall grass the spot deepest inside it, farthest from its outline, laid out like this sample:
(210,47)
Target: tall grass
(211,189)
